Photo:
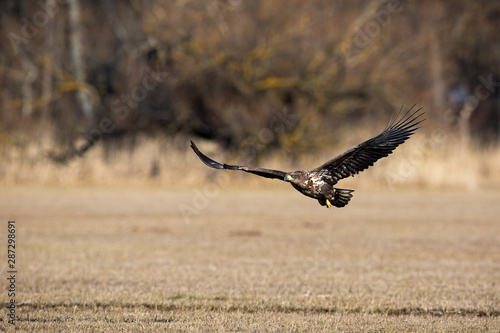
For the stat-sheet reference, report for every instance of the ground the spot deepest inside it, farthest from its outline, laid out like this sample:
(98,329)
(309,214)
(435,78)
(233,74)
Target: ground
(226,259)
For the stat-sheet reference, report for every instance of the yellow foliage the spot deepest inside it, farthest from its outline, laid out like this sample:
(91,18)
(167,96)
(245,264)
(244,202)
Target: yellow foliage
(276,82)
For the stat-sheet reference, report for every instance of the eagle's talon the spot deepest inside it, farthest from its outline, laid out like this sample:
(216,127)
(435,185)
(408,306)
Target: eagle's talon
(328,203)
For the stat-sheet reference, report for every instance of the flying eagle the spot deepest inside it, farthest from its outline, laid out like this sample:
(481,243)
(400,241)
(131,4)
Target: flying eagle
(318,183)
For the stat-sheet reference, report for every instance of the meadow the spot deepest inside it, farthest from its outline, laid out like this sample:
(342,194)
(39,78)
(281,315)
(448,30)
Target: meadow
(237,259)
(120,227)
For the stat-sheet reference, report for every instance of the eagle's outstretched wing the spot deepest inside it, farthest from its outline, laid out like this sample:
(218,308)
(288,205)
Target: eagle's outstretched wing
(362,156)
(268,173)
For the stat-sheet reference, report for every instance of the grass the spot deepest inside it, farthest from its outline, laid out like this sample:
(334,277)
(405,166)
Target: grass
(114,259)
(158,161)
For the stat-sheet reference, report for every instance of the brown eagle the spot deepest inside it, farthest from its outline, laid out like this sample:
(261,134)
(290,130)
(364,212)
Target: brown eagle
(318,183)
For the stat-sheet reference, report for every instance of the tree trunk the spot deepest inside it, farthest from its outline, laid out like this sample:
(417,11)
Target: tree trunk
(83,96)
(48,61)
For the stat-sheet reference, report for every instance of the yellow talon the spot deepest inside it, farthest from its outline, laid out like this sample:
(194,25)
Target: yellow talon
(328,203)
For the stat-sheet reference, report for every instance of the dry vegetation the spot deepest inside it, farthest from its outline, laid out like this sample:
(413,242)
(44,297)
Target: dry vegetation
(133,233)
(161,162)
(257,77)
(95,259)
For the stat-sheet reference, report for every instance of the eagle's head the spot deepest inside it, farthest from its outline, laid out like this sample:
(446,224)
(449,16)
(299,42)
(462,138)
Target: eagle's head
(294,177)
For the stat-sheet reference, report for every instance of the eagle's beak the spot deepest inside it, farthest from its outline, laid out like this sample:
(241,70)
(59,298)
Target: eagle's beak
(288,178)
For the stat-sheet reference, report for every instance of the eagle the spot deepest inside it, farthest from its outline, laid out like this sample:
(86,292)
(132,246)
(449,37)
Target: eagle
(318,183)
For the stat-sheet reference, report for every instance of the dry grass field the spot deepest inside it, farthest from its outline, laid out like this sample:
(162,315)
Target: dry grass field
(93,259)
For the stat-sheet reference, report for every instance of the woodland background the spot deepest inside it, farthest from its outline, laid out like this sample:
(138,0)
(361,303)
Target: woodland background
(112,91)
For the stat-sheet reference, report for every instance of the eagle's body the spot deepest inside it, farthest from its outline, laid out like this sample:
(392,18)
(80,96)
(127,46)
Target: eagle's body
(313,186)
(318,183)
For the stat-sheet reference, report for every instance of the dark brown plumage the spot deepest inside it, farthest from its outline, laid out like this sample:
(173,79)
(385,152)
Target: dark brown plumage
(318,182)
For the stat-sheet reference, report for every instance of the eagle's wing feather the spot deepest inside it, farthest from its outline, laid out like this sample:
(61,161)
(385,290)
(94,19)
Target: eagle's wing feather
(364,155)
(268,173)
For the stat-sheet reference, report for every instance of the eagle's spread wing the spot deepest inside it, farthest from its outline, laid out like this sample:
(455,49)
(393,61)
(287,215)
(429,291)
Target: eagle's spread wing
(362,156)
(268,173)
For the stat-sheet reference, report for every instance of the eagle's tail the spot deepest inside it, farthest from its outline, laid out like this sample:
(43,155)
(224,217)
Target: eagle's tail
(341,197)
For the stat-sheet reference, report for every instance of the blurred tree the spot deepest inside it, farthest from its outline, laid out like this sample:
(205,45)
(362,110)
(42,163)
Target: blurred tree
(77,58)
(221,69)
